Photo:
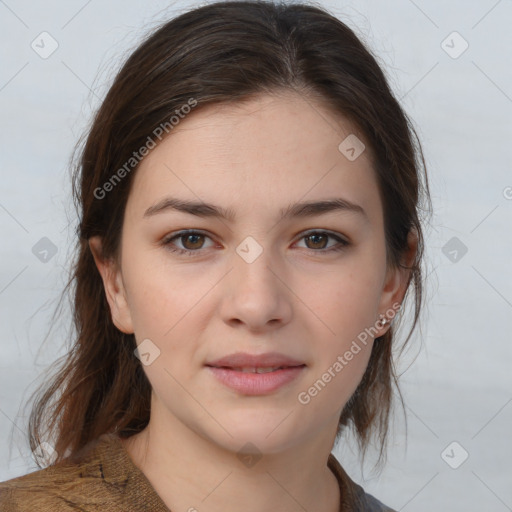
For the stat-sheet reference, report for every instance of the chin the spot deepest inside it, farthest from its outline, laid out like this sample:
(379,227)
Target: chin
(263,437)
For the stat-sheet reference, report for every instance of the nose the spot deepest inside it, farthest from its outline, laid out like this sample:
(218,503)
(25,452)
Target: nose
(256,293)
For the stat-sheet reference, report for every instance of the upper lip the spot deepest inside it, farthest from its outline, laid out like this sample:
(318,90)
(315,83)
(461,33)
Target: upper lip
(245,360)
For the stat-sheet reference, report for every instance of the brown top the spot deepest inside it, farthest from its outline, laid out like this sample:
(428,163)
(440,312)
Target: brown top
(103,478)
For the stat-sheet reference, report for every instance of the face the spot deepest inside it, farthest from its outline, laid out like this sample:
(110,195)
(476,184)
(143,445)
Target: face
(306,286)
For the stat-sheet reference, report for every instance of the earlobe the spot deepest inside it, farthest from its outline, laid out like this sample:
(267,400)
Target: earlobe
(113,287)
(397,282)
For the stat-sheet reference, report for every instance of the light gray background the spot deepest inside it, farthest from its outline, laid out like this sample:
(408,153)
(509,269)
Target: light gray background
(457,382)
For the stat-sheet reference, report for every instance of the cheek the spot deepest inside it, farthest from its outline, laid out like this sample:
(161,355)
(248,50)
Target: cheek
(333,383)
(346,302)
(158,296)
(171,311)
(152,307)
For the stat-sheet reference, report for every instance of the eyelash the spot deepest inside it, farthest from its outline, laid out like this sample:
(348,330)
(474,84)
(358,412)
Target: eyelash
(188,252)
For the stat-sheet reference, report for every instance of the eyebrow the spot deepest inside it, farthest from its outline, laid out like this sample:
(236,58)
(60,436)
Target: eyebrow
(301,209)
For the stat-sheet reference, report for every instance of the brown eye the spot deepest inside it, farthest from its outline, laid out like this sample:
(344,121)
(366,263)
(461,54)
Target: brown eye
(192,241)
(318,241)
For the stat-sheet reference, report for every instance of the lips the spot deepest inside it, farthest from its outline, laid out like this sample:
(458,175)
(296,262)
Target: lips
(255,363)
(248,383)
(255,369)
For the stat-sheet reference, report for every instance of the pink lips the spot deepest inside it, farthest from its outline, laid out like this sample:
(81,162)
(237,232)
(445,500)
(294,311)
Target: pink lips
(227,371)
(245,360)
(256,383)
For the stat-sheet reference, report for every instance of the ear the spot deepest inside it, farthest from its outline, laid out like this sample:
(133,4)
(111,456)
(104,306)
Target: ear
(114,287)
(397,282)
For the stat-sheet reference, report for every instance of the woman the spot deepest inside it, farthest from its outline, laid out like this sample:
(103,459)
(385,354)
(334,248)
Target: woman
(249,197)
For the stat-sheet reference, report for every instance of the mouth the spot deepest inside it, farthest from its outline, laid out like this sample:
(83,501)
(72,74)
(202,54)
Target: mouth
(256,369)
(256,380)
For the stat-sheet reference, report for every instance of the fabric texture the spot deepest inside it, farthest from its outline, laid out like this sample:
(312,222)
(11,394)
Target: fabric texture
(103,478)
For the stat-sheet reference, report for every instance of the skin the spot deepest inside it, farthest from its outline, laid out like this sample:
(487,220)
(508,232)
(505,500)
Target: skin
(295,298)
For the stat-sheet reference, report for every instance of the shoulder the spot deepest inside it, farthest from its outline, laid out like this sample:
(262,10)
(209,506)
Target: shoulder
(67,486)
(374,505)
(353,496)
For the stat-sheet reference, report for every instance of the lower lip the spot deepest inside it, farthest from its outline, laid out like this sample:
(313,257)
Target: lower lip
(256,383)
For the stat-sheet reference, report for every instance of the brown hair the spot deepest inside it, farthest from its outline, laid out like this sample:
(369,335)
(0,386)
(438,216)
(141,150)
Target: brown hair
(224,52)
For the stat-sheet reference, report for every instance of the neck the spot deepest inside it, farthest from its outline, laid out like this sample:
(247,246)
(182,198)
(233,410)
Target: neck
(189,471)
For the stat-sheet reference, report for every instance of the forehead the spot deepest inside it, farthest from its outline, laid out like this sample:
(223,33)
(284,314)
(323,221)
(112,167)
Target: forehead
(260,154)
